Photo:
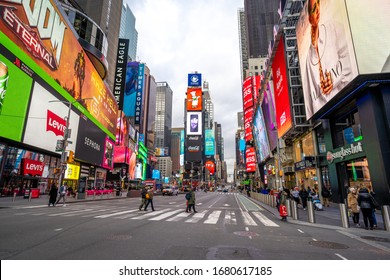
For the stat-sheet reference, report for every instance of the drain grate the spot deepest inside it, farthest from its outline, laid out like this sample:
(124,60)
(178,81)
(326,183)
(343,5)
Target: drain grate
(328,245)
(373,238)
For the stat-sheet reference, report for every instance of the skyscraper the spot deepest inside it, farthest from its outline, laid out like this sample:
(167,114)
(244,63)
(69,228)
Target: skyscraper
(127,30)
(261,16)
(163,124)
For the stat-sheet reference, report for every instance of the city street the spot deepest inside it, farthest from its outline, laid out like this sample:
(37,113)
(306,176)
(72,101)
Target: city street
(228,226)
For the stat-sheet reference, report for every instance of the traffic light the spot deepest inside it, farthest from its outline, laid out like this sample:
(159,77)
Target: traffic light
(71,156)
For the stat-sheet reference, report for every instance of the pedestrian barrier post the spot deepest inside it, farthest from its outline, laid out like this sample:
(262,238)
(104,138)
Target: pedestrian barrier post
(386,217)
(288,206)
(344,214)
(94,195)
(14,197)
(310,212)
(294,210)
(29,196)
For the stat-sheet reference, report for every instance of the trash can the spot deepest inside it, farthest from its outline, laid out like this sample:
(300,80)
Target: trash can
(26,193)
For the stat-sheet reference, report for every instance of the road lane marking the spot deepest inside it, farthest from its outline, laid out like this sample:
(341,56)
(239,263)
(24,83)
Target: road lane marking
(341,257)
(248,220)
(178,217)
(300,230)
(230,218)
(213,217)
(115,214)
(165,215)
(196,217)
(70,212)
(264,220)
(150,214)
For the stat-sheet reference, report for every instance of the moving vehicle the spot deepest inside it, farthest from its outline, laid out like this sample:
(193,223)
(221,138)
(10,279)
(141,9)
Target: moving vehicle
(170,191)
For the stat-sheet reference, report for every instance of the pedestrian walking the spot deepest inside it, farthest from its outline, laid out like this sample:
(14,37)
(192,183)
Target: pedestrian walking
(303,195)
(62,193)
(371,191)
(295,195)
(53,194)
(325,193)
(353,206)
(191,201)
(149,199)
(366,205)
(282,207)
(144,191)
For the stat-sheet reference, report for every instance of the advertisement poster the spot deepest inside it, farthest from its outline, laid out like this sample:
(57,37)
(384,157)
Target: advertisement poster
(326,52)
(260,135)
(247,95)
(268,107)
(194,123)
(41,37)
(250,159)
(194,99)
(209,142)
(248,118)
(131,88)
(13,98)
(282,99)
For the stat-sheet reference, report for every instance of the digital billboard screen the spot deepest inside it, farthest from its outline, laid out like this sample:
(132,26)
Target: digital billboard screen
(282,99)
(250,159)
(268,108)
(209,142)
(247,93)
(131,88)
(326,52)
(194,99)
(260,136)
(194,123)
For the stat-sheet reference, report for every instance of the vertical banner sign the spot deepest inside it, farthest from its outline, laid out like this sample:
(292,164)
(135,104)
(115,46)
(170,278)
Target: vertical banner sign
(247,95)
(250,159)
(248,119)
(120,71)
(140,88)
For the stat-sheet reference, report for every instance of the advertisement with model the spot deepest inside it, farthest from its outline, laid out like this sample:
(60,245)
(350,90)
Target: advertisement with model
(194,123)
(260,136)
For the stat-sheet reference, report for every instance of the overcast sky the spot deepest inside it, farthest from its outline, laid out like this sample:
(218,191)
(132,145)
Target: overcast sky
(177,37)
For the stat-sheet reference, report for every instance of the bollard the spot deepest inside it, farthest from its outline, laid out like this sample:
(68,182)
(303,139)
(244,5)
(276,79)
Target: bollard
(29,196)
(294,210)
(288,205)
(386,217)
(310,212)
(14,197)
(94,195)
(344,215)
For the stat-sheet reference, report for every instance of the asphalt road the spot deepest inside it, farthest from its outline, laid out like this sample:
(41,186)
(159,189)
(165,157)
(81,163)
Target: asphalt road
(228,226)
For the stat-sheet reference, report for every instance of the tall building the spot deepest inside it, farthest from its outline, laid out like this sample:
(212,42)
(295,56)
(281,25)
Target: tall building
(261,16)
(107,14)
(208,107)
(165,166)
(175,148)
(127,30)
(163,117)
(242,33)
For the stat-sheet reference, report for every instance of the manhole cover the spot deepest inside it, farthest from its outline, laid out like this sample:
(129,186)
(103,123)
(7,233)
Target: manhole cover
(119,237)
(373,238)
(328,245)
(245,233)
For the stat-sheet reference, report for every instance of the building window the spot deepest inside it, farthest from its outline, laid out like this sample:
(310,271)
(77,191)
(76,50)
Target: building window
(346,128)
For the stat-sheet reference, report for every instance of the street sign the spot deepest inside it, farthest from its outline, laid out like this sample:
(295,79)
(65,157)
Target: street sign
(60,145)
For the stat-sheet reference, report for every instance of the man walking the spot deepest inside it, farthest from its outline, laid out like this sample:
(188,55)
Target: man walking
(62,193)
(149,199)
(191,201)
(143,198)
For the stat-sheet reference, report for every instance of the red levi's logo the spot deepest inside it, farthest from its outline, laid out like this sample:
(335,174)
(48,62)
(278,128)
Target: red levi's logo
(32,167)
(55,123)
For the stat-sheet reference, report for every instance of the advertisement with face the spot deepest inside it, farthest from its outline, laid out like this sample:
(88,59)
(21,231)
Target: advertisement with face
(131,88)
(46,121)
(108,155)
(13,97)
(260,135)
(326,52)
(369,22)
(194,123)
(194,99)
(282,99)
(40,36)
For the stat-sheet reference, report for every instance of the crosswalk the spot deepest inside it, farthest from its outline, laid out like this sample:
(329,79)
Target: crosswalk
(171,214)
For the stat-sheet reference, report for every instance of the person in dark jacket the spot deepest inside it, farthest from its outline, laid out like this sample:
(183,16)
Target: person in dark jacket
(304,195)
(149,199)
(191,201)
(144,191)
(366,206)
(53,194)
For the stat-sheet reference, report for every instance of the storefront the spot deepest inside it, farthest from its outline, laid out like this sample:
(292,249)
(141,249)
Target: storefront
(305,162)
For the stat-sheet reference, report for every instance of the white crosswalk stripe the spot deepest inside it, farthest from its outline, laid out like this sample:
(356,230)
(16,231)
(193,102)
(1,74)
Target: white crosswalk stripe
(231,217)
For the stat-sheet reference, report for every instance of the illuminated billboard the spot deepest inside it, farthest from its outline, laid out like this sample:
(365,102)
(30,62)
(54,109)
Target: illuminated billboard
(195,80)
(248,118)
(194,99)
(268,107)
(282,99)
(131,88)
(194,123)
(39,35)
(250,159)
(260,136)
(326,52)
(247,95)
(209,142)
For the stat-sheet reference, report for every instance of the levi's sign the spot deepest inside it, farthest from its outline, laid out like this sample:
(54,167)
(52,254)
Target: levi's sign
(55,123)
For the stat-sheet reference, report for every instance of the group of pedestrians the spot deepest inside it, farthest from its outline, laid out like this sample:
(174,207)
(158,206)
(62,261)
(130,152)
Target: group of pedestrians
(55,192)
(363,201)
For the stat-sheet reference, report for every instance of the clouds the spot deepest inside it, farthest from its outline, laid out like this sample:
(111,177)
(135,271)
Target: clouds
(178,37)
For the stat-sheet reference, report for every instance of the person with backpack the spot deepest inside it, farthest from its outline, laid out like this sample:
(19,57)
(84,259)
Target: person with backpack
(190,196)
(144,191)
(149,199)
(62,193)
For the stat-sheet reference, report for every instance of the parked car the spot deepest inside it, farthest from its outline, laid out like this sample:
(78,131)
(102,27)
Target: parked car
(170,191)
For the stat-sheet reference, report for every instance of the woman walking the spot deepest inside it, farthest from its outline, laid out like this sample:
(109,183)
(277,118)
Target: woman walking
(353,206)
(53,194)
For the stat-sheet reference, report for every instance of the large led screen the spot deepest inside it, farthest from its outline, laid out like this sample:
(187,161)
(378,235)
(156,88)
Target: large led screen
(268,107)
(131,88)
(250,159)
(194,99)
(248,118)
(40,35)
(247,94)
(326,52)
(282,99)
(260,135)
(194,123)
(209,142)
